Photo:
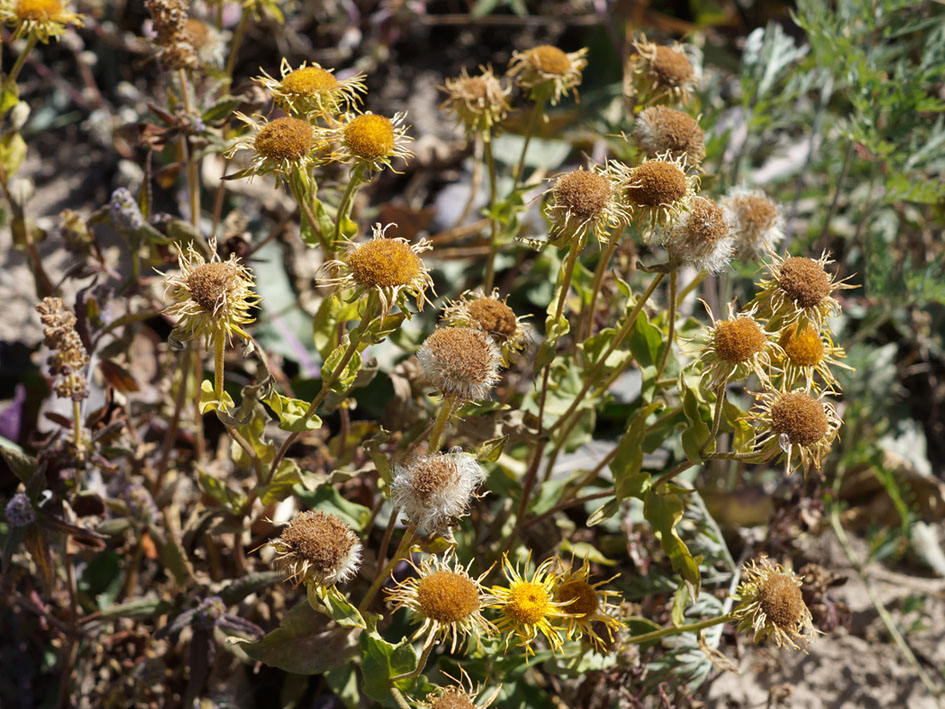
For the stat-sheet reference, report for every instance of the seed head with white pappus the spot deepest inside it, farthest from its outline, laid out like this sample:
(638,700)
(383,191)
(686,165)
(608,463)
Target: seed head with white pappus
(462,363)
(702,237)
(435,490)
(759,224)
(317,548)
(493,316)
(658,192)
(659,130)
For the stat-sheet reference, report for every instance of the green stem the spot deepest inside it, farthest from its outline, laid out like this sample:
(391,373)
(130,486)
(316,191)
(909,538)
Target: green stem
(421,663)
(532,124)
(493,223)
(691,286)
(235,45)
(219,352)
(678,629)
(302,200)
(345,204)
(586,325)
(442,417)
(193,166)
(671,335)
(717,416)
(21,60)
(399,698)
(77,431)
(379,580)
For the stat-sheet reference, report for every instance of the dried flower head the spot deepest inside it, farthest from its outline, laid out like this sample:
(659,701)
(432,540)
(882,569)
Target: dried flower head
(659,191)
(736,347)
(433,491)
(588,607)
(786,422)
(447,599)
(317,548)
(169,18)
(312,90)
(547,71)
(371,140)
(586,199)
(69,356)
(770,605)
(207,42)
(808,355)
(278,146)
(701,237)
(492,315)
(660,75)
(212,298)
(661,130)
(477,102)
(44,18)
(759,224)
(461,362)
(527,605)
(461,695)
(798,289)
(19,511)
(391,268)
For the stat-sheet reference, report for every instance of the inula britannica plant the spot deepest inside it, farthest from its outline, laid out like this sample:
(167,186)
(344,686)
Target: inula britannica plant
(394,356)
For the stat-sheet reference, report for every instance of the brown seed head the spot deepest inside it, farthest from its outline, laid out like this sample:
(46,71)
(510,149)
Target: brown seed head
(549,59)
(782,600)
(584,597)
(369,137)
(285,139)
(673,131)
(462,355)
(582,192)
(755,213)
(209,284)
(804,281)
(706,223)
(655,182)
(197,32)
(493,316)
(452,700)
(321,539)
(801,417)
(308,81)
(384,263)
(803,347)
(433,474)
(671,67)
(447,597)
(738,340)
(472,88)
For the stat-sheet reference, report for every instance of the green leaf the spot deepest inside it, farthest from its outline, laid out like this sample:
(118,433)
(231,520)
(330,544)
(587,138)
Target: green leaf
(328,499)
(490,451)
(305,643)
(291,413)
(209,401)
(698,430)
(141,608)
(734,419)
(12,153)
(372,446)
(383,661)
(221,109)
(663,511)
(286,476)
(238,589)
(22,464)
(604,512)
(332,603)
(221,492)
(9,97)
(626,465)
(680,601)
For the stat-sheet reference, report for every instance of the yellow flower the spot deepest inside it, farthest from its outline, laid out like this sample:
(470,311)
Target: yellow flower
(659,75)
(492,315)
(478,102)
(771,605)
(548,71)
(735,347)
(527,605)
(312,90)
(371,140)
(391,268)
(44,18)
(586,199)
(211,297)
(446,598)
(587,605)
(798,289)
(278,146)
(786,422)
(809,352)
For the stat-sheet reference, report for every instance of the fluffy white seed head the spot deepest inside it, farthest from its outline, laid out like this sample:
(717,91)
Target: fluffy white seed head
(434,490)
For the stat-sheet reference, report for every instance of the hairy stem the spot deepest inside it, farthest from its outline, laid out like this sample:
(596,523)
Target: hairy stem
(493,223)
(442,417)
(537,112)
(382,575)
(671,335)
(678,629)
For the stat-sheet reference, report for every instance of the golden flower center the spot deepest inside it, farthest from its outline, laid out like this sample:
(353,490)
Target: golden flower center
(463,354)
(584,598)
(528,603)
(738,340)
(670,66)
(550,60)
(384,263)
(285,139)
(308,81)
(656,183)
(210,283)
(493,316)
(38,10)
(706,222)
(757,213)
(473,89)
(804,347)
(801,417)
(432,475)
(447,597)
(452,700)
(782,600)
(804,281)
(369,137)
(582,192)
(321,539)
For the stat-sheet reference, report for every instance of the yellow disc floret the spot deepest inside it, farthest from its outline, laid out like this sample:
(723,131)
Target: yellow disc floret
(384,263)
(447,597)
(308,81)
(550,59)
(528,603)
(369,136)
(38,10)
(288,139)
(738,340)
(803,346)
